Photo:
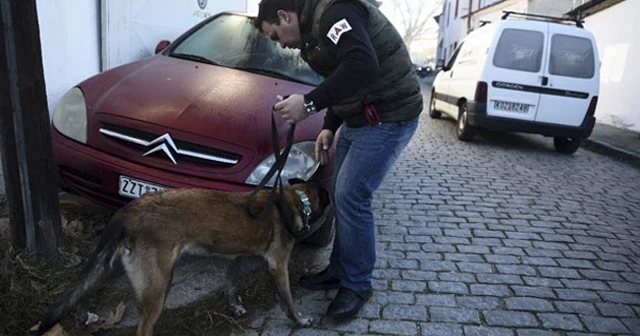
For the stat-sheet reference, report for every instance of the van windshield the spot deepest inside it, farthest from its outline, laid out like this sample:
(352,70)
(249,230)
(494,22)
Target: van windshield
(571,56)
(519,49)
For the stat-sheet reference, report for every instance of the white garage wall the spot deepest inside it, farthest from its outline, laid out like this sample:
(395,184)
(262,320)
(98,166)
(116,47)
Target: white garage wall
(71,36)
(131,29)
(619,50)
(70,41)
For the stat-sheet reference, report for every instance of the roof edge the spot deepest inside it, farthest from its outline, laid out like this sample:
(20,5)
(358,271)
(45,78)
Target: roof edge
(592,7)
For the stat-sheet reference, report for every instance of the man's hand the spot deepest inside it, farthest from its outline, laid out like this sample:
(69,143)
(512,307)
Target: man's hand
(323,144)
(291,109)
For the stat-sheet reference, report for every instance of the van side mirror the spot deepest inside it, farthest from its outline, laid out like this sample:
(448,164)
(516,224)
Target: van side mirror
(439,64)
(161,46)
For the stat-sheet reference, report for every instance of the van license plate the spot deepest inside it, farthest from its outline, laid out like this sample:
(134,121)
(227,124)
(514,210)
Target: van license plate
(511,107)
(135,188)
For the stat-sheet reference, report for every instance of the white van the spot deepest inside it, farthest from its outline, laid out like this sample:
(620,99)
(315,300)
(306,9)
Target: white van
(532,75)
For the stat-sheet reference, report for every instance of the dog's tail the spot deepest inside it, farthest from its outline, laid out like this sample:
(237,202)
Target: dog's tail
(100,264)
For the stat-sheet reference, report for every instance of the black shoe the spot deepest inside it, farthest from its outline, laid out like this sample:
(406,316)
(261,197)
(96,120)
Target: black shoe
(322,280)
(348,303)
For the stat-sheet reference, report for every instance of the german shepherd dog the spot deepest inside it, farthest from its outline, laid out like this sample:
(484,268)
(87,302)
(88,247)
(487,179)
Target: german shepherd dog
(149,234)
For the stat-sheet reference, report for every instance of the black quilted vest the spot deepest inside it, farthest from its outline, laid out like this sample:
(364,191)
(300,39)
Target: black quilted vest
(394,90)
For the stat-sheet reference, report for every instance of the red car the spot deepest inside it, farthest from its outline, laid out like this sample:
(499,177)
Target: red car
(196,114)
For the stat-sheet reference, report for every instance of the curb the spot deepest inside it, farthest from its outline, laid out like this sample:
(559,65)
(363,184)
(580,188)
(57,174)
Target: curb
(605,148)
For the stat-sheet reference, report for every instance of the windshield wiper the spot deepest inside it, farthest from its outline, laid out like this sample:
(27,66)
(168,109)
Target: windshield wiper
(191,57)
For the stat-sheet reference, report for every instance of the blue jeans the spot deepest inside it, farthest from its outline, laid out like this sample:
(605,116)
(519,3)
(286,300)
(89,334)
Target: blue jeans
(364,156)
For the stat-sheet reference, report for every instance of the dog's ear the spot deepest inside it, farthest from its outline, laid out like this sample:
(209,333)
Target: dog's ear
(295,180)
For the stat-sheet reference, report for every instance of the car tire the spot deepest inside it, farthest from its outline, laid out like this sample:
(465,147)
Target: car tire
(432,107)
(566,145)
(464,130)
(323,236)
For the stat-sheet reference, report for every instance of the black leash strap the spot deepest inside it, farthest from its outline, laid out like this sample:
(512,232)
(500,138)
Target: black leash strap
(281,159)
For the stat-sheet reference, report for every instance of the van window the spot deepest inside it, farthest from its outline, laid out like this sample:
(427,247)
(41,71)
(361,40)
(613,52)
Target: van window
(519,49)
(453,57)
(571,56)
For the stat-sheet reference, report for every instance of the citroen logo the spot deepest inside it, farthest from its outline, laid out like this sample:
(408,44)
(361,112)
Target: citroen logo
(202,4)
(165,144)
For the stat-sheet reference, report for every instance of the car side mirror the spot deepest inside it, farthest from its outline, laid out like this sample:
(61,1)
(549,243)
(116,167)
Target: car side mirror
(440,64)
(161,46)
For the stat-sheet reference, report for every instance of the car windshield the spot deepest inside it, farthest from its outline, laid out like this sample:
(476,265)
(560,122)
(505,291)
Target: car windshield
(232,41)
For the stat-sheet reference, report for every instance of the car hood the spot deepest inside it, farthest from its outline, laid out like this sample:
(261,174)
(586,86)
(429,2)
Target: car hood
(210,101)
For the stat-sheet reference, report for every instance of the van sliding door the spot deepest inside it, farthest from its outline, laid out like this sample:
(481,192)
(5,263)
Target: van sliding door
(572,76)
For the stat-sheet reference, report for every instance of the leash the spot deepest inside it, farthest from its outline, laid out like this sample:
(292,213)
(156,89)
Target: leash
(278,188)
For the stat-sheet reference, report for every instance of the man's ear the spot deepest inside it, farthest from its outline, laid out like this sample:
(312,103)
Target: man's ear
(283,15)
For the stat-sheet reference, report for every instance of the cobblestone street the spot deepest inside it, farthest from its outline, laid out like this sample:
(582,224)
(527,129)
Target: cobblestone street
(500,236)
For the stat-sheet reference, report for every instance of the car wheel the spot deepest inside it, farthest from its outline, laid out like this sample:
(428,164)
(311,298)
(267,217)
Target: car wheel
(432,107)
(566,145)
(323,236)
(465,131)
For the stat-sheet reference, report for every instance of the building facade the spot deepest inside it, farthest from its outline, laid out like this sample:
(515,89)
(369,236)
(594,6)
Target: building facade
(613,23)
(459,17)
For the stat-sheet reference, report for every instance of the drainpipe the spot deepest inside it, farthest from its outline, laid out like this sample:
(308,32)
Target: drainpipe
(469,16)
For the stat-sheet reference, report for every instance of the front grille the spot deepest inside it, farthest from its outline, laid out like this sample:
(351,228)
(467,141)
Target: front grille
(175,150)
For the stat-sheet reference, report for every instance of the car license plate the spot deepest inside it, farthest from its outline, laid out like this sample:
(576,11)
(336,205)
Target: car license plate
(135,188)
(511,107)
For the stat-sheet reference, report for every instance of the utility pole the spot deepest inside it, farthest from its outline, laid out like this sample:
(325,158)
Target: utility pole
(25,138)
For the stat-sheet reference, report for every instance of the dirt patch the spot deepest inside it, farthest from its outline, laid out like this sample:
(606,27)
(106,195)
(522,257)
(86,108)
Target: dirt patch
(27,287)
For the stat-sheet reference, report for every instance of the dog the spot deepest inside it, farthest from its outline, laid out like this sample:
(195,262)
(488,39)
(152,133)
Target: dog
(149,234)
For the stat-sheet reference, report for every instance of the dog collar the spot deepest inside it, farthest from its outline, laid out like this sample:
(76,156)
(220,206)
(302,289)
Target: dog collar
(306,207)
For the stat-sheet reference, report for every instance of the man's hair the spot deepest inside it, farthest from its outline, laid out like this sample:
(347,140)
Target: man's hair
(268,11)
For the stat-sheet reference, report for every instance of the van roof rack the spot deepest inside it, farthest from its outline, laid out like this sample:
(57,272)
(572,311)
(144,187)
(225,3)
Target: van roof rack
(578,22)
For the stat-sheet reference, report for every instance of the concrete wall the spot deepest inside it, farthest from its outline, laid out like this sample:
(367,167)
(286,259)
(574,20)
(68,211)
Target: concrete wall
(551,8)
(494,13)
(619,50)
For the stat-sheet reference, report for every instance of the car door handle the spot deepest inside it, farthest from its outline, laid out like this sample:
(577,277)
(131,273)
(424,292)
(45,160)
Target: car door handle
(545,80)
(451,74)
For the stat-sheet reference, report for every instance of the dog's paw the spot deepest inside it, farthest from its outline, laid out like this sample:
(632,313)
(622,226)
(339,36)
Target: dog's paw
(238,310)
(304,321)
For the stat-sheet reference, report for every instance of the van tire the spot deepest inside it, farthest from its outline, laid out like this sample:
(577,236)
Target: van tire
(566,145)
(464,131)
(432,107)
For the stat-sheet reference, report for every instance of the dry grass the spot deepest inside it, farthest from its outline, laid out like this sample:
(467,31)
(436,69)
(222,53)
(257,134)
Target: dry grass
(27,287)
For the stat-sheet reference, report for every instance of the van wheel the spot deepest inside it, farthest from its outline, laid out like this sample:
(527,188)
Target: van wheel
(432,107)
(566,145)
(465,131)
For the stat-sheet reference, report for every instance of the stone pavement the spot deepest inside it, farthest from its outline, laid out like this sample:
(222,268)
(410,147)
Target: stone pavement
(500,236)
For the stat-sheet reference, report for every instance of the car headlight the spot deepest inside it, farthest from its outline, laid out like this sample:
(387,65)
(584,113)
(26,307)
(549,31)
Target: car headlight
(70,115)
(300,164)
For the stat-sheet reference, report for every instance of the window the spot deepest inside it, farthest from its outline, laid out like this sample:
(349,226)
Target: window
(454,55)
(571,56)
(519,50)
